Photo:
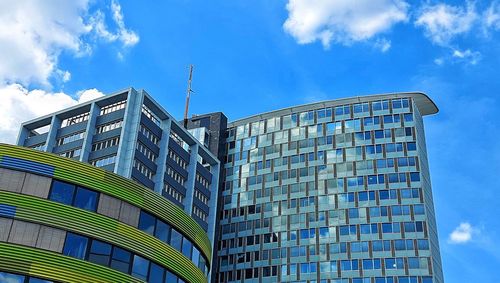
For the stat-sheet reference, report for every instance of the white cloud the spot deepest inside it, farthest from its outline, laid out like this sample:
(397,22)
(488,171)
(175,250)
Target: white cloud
(443,22)
(491,17)
(124,35)
(471,57)
(18,104)
(34,33)
(383,45)
(342,21)
(463,233)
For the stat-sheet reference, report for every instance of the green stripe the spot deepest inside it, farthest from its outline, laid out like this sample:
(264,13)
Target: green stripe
(114,185)
(103,228)
(52,266)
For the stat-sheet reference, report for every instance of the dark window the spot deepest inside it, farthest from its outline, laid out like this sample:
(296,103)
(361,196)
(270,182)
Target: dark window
(121,260)
(62,192)
(176,240)
(86,199)
(140,268)
(75,246)
(100,253)
(156,273)
(162,231)
(171,278)
(187,248)
(147,223)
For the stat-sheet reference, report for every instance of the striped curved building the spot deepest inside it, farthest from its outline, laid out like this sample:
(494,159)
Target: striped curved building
(66,221)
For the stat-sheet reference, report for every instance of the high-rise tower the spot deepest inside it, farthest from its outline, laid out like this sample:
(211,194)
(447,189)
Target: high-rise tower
(336,191)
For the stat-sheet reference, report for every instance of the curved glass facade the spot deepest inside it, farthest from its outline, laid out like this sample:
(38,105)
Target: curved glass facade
(65,221)
(330,192)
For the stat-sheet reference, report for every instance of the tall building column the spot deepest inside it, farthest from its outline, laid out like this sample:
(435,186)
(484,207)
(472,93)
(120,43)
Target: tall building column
(193,161)
(161,161)
(89,132)
(128,136)
(55,125)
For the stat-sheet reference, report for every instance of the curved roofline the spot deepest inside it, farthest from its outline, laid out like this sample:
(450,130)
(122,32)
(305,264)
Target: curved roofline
(424,104)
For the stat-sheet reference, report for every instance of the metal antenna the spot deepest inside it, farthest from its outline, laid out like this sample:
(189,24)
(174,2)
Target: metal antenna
(188,95)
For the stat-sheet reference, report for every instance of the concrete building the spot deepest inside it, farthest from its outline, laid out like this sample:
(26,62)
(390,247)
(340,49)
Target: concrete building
(130,134)
(330,192)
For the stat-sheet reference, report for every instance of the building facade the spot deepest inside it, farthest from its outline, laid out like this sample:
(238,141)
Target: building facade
(66,221)
(336,191)
(130,134)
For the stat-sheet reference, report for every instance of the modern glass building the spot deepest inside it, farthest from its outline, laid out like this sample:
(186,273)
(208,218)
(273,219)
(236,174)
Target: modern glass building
(66,221)
(336,191)
(330,192)
(130,134)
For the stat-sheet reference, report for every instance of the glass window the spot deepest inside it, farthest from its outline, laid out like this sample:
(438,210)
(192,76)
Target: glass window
(187,248)
(171,278)
(100,253)
(11,278)
(121,260)
(176,240)
(162,231)
(147,223)
(140,268)
(86,199)
(156,273)
(32,280)
(75,245)
(62,192)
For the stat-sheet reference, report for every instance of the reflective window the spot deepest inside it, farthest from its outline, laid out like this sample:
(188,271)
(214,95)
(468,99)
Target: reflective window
(62,192)
(100,253)
(86,199)
(75,246)
(147,223)
(140,268)
(121,260)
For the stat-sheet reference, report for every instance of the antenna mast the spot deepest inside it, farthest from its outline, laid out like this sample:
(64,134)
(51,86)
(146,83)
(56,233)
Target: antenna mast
(188,95)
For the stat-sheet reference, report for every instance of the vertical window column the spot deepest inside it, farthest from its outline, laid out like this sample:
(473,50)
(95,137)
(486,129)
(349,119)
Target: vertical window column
(130,129)
(161,161)
(189,184)
(55,125)
(90,130)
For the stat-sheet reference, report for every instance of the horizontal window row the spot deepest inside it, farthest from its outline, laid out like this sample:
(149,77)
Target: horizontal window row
(319,115)
(149,135)
(168,189)
(74,153)
(202,197)
(40,147)
(175,175)
(164,232)
(177,159)
(103,161)
(143,169)
(117,258)
(113,107)
(202,180)
(200,213)
(17,278)
(148,153)
(363,129)
(109,126)
(105,143)
(372,138)
(75,119)
(150,115)
(70,138)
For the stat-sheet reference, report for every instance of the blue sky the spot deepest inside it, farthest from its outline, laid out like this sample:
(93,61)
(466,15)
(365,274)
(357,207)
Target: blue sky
(260,55)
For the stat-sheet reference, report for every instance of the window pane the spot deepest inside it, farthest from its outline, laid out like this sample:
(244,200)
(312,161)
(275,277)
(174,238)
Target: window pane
(147,223)
(140,268)
(86,199)
(162,231)
(11,278)
(176,240)
(100,253)
(186,248)
(121,260)
(62,192)
(75,246)
(171,278)
(34,280)
(156,273)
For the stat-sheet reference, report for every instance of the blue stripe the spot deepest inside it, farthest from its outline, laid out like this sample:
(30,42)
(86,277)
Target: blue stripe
(7,210)
(27,165)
